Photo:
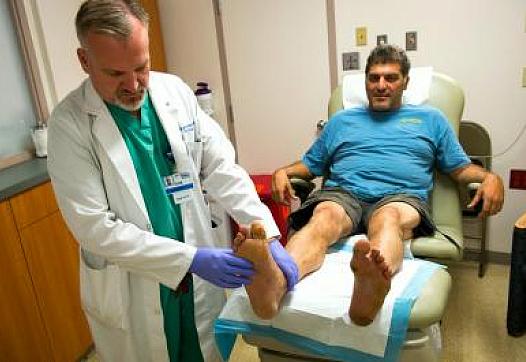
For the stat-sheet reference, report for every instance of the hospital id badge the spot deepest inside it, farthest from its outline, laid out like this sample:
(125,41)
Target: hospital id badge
(179,186)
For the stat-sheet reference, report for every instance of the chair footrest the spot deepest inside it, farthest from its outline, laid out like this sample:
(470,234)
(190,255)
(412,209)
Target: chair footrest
(428,310)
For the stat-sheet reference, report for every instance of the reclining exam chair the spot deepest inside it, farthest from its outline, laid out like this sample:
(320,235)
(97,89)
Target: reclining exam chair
(426,314)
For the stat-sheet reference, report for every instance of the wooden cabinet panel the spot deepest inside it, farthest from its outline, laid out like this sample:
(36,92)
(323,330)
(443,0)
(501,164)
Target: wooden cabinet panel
(22,333)
(157,57)
(53,260)
(33,204)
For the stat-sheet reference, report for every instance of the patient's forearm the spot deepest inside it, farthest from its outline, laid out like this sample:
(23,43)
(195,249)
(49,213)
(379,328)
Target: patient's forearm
(297,170)
(471,173)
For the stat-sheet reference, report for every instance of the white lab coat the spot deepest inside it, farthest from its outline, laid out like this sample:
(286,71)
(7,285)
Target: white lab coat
(122,261)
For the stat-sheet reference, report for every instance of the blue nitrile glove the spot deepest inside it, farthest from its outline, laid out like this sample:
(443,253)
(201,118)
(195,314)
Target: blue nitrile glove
(221,267)
(285,262)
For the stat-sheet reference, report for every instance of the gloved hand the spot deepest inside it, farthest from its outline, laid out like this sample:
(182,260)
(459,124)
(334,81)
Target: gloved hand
(221,267)
(285,262)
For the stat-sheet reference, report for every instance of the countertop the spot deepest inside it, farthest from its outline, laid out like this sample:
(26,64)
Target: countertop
(21,177)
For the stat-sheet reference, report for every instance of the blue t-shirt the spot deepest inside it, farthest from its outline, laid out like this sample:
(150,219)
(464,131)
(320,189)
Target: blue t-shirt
(375,154)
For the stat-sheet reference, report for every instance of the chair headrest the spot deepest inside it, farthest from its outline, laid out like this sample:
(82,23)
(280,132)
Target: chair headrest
(417,92)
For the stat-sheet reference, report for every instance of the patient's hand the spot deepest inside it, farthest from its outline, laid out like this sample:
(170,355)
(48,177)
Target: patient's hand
(282,190)
(491,191)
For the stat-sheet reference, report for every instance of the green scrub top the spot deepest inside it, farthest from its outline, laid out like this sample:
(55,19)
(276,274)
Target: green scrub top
(148,146)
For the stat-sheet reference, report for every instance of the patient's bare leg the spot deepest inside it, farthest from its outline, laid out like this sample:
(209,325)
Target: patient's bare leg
(268,283)
(307,247)
(375,261)
(371,283)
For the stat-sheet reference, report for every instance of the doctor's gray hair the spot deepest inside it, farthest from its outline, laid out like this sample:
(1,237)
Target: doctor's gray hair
(108,17)
(384,54)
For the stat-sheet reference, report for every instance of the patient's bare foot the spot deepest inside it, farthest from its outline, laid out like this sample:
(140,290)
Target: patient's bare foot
(372,281)
(268,283)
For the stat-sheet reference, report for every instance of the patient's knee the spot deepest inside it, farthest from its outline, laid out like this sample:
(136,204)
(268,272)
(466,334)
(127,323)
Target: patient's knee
(331,214)
(387,214)
(328,210)
(405,219)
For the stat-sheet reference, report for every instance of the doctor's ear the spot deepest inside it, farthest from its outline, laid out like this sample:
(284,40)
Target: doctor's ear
(83,59)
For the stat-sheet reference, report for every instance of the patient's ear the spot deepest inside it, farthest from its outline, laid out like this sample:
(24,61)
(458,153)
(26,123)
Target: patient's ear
(406,81)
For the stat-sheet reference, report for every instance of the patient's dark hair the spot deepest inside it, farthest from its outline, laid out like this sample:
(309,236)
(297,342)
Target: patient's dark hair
(108,17)
(385,54)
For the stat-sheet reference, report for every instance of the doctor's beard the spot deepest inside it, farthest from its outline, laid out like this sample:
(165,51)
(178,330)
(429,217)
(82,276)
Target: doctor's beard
(130,102)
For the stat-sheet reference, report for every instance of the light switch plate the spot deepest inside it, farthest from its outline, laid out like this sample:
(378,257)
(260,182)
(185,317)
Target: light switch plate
(410,40)
(361,36)
(351,61)
(524,76)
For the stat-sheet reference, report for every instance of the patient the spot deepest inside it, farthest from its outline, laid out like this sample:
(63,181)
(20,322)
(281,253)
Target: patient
(378,165)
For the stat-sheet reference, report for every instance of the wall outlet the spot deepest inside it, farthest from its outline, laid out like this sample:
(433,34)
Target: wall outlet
(410,40)
(361,36)
(351,61)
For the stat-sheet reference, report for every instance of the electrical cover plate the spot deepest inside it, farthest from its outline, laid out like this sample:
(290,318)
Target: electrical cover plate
(361,36)
(351,61)
(381,39)
(410,40)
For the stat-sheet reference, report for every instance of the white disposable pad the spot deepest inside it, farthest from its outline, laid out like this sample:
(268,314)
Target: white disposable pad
(314,315)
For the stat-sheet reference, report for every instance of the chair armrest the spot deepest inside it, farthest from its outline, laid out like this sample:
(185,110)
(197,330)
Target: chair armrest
(475,210)
(302,188)
(439,247)
(473,186)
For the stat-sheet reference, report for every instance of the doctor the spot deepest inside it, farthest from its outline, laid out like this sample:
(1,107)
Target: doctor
(130,153)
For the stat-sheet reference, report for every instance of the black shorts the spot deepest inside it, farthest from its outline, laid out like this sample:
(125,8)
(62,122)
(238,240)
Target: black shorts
(359,211)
